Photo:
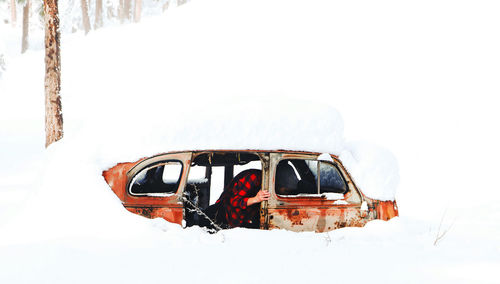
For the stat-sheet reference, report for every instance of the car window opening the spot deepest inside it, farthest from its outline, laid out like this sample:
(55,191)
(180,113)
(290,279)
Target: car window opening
(159,179)
(211,178)
(297,176)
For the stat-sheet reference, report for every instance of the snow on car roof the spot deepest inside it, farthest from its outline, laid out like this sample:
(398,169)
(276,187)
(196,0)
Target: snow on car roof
(241,124)
(236,125)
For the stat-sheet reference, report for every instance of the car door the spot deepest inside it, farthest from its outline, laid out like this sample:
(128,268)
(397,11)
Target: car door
(154,186)
(311,195)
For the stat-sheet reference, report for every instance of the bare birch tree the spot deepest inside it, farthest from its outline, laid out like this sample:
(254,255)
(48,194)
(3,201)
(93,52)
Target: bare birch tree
(26,21)
(85,16)
(98,14)
(53,109)
(13,13)
(137,10)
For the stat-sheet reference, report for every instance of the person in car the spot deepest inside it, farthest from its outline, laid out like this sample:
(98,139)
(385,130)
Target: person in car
(239,204)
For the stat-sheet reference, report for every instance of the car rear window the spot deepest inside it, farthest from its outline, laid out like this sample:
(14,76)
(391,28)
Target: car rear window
(162,178)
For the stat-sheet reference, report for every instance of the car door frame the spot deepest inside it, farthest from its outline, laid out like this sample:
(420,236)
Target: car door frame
(312,212)
(169,207)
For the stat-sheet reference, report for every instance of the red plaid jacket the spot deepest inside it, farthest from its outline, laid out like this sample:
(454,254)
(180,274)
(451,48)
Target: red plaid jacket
(234,199)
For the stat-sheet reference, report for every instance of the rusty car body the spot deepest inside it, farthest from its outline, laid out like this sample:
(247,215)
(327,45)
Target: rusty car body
(182,197)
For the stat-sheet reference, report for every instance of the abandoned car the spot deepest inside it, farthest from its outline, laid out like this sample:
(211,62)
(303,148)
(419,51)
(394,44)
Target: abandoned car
(307,191)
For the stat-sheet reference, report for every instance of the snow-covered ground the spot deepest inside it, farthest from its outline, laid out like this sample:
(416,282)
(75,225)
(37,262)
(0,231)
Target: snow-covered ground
(418,78)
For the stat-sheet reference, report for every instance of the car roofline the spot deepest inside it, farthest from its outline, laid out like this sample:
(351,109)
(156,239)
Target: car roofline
(244,150)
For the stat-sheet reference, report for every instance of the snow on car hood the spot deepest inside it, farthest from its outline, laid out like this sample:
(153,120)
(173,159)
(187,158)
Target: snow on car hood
(374,169)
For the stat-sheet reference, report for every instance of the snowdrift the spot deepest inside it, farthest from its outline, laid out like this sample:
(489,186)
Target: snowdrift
(172,84)
(200,76)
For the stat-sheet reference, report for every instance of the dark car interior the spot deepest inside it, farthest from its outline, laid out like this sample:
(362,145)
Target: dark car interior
(197,192)
(295,176)
(151,179)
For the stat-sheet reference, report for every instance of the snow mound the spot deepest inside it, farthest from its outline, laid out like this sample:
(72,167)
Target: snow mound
(207,86)
(241,124)
(173,84)
(374,169)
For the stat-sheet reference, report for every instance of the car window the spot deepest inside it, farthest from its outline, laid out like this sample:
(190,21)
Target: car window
(330,179)
(197,174)
(159,179)
(298,176)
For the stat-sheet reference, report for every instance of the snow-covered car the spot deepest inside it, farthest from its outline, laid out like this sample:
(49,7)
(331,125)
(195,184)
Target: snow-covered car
(308,191)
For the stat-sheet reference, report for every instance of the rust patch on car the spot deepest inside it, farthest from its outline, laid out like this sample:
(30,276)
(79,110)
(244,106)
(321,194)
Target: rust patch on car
(173,215)
(116,177)
(314,219)
(387,210)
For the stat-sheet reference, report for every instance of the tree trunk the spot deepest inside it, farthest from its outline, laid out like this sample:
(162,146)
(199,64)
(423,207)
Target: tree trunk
(110,13)
(26,21)
(137,12)
(120,11)
(53,110)
(98,14)
(126,8)
(165,6)
(85,16)
(13,13)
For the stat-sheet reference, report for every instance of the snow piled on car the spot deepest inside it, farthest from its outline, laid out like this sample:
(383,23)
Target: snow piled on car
(233,93)
(241,124)
(373,168)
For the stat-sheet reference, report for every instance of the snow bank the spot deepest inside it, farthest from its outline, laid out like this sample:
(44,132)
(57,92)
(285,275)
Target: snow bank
(369,59)
(373,168)
(2,58)
(139,90)
(72,200)
(171,84)
(191,256)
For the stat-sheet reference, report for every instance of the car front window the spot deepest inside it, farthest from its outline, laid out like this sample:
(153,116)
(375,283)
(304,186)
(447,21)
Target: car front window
(301,176)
